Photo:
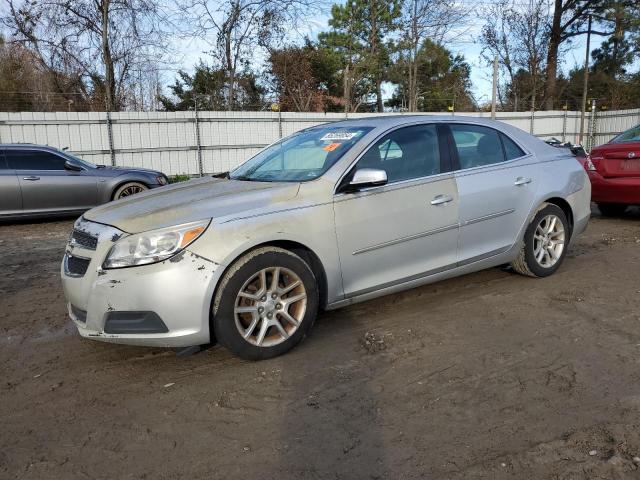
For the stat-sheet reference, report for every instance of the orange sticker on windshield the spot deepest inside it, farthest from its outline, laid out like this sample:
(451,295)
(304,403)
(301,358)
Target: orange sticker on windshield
(331,147)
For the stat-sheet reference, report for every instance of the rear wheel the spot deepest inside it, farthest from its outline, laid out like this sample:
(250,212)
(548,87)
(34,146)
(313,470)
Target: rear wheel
(612,209)
(545,243)
(266,304)
(128,189)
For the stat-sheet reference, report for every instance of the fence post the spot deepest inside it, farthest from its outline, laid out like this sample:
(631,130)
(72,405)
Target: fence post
(533,114)
(592,126)
(279,123)
(564,123)
(197,126)
(112,152)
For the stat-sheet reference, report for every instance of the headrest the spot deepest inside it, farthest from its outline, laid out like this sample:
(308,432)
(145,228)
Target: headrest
(489,145)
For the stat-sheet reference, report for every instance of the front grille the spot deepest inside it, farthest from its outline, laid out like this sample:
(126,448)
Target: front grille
(77,266)
(84,240)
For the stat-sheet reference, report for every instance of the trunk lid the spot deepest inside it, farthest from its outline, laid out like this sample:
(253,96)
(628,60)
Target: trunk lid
(617,159)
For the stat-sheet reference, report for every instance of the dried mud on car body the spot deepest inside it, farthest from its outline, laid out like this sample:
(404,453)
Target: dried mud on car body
(491,375)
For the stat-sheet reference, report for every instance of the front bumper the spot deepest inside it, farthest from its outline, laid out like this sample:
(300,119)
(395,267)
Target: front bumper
(624,190)
(178,291)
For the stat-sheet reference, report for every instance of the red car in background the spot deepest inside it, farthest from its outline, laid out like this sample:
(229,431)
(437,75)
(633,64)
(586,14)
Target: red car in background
(614,170)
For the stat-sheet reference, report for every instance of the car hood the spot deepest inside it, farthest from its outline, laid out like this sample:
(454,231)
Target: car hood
(193,200)
(108,171)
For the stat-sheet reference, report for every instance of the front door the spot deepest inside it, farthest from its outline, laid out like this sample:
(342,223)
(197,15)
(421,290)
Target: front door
(405,229)
(496,181)
(48,186)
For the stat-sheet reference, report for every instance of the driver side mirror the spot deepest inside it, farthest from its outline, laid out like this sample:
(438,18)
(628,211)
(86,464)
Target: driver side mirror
(72,166)
(365,178)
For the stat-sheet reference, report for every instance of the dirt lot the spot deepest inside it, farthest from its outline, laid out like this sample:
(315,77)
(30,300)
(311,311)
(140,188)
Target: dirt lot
(491,375)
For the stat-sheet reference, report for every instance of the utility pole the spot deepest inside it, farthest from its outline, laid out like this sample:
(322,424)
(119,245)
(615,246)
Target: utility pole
(585,85)
(494,89)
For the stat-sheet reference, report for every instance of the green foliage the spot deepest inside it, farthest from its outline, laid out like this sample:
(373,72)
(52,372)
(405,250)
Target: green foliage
(360,37)
(179,178)
(209,86)
(443,79)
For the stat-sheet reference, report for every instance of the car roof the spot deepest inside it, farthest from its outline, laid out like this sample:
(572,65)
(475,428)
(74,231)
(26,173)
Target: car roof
(391,120)
(28,145)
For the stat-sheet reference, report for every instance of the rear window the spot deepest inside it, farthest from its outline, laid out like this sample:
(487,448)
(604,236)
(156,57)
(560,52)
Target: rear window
(477,145)
(631,135)
(511,150)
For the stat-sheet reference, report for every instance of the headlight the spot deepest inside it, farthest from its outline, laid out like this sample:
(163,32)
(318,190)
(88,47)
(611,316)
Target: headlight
(161,179)
(153,246)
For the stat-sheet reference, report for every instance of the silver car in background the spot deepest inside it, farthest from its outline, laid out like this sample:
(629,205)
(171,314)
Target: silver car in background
(41,181)
(332,215)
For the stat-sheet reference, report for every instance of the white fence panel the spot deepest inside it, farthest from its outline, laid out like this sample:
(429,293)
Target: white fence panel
(207,142)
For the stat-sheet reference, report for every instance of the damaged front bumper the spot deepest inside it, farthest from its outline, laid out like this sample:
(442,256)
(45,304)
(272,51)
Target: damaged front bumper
(166,304)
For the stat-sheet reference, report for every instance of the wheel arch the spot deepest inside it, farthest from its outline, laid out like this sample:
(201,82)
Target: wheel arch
(116,186)
(565,207)
(303,251)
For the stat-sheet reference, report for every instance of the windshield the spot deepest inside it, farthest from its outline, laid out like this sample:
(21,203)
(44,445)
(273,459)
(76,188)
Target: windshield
(631,135)
(301,157)
(80,161)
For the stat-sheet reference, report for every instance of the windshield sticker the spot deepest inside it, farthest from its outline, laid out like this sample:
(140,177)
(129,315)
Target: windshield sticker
(337,136)
(331,147)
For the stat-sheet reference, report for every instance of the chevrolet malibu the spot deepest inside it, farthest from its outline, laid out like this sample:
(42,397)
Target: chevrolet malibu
(332,215)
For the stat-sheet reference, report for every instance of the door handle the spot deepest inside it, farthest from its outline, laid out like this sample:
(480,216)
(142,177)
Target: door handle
(31,178)
(522,181)
(441,199)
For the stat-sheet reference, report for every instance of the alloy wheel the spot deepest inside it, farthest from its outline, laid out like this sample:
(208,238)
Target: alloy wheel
(131,190)
(270,306)
(548,241)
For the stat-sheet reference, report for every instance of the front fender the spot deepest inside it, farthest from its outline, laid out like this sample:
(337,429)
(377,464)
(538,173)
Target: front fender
(311,226)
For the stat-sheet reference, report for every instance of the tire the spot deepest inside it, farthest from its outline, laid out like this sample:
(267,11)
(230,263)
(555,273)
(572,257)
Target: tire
(550,245)
(258,316)
(128,189)
(612,209)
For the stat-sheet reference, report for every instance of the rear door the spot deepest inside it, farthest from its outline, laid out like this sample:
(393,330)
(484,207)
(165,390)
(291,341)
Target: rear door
(10,195)
(47,186)
(403,230)
(496,181)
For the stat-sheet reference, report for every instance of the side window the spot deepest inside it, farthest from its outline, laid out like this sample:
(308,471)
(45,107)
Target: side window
(3,163)
(34,160)
(406,153)
(511,150)
(477,145)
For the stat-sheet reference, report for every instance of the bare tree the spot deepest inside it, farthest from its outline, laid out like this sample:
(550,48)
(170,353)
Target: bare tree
(422,20)
(105,41)
(518,35)
(236,30)
(567,21)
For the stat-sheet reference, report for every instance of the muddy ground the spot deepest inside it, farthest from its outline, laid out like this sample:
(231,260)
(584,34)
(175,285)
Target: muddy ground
(491,375)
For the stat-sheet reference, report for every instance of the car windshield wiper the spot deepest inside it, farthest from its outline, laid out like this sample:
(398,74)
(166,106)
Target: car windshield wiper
(221,175)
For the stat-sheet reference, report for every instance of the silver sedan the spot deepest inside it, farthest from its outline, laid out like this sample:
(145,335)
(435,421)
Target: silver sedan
(332,215)
(42,181)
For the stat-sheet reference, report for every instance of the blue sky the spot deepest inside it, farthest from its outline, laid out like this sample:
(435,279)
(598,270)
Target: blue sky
(465,43)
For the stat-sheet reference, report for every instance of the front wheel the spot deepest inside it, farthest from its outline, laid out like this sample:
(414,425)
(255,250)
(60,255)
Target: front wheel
(545,243)
(266,304)
(128,189)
